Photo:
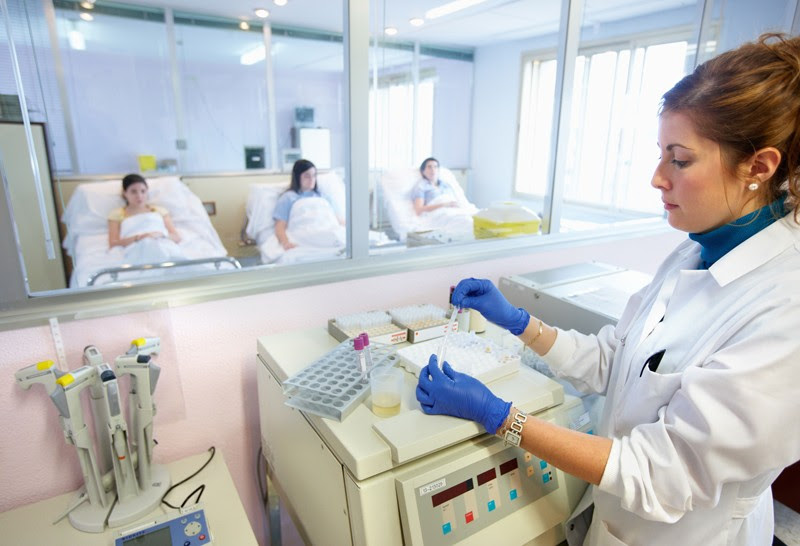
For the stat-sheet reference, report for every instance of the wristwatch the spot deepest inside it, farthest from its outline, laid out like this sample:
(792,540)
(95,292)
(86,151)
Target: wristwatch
(513,435)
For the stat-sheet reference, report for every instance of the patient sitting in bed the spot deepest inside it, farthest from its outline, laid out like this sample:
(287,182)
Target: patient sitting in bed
(145,231)
(315,219)
(431,193)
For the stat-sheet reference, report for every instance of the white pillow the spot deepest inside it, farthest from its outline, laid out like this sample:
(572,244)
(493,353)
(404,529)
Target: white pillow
(261,201)
(330,185)
(91,203)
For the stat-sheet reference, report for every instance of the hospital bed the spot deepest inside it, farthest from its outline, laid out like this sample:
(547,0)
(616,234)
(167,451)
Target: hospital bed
(318,237)
(86,240)
(441,225)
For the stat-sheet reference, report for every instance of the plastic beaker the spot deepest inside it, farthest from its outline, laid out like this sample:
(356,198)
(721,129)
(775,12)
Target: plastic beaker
(387,389)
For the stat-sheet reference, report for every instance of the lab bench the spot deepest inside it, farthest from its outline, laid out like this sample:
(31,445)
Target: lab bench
(227,520)
(411,478)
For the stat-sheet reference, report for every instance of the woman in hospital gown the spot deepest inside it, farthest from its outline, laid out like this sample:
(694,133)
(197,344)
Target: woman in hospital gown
(701,372)
(431,193)
(145,231)
(314,223)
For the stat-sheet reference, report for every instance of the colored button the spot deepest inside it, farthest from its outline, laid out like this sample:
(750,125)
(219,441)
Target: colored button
(529,470)
(512,494)
(491,505)
(527,457)
(590,431)
(446,528)
(202,537)
(543,464)
(469,517)
(546,478)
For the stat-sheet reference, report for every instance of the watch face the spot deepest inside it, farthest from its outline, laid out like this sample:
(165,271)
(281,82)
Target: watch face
(513,438)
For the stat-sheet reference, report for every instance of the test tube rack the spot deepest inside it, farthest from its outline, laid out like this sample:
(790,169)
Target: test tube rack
(423,322)
(466,353)
(378,324)
(332,386)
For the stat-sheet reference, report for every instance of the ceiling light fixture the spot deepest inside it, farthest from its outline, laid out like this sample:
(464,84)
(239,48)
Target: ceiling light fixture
(253,56)
(281,2)
(244,25)
(416,21)
(451,7)
(86,16)
(76,40)
(261,13)
(390,31)
(87,5)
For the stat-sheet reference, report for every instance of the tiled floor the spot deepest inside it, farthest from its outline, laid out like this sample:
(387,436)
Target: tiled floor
(787,527)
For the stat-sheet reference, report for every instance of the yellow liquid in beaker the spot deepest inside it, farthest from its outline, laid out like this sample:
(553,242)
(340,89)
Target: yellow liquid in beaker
(385,404)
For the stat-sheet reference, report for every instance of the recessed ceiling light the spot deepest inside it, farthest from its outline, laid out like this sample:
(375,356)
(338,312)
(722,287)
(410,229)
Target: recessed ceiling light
(261,12)
(280,2)
(86,16)
(390,31)
(87,5)
(244,25)
(416,21)
(451,7)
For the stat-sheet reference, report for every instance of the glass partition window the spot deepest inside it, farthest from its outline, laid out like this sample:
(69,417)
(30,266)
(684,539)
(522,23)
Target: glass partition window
(611,152)
(224,104)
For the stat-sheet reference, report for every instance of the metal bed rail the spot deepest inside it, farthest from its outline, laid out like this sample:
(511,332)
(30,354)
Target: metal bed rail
(114,272)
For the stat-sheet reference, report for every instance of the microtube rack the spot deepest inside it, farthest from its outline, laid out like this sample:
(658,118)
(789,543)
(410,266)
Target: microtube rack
(425,321)
(378,324)
(466,353)
(332,386)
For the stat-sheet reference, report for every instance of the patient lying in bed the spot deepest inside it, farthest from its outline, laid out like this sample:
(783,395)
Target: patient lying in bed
(306,225)
(145,232)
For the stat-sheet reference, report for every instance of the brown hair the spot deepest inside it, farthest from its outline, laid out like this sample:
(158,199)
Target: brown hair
(747,99)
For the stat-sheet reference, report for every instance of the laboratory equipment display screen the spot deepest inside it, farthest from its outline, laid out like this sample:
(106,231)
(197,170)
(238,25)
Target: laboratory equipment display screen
(482,493)
(161,537)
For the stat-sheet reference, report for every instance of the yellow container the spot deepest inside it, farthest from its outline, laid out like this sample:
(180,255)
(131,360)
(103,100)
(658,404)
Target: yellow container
(147,163)
(505,219)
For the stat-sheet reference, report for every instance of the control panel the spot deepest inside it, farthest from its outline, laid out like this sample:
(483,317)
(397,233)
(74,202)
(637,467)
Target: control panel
(185,528)
(460,503)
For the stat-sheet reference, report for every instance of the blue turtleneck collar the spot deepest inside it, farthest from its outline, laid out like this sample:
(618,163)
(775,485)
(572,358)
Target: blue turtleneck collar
(718,242)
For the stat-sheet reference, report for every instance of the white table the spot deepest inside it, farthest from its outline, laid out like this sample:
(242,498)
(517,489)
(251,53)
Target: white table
(32,524)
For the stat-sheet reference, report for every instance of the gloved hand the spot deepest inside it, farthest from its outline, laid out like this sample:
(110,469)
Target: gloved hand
(448,392)
(483,296)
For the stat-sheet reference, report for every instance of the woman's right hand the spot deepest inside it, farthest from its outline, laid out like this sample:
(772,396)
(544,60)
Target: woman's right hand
(287,244)
(483,296)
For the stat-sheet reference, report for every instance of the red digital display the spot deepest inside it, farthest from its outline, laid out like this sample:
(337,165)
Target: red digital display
(508,466)
(487,476)
(449,494)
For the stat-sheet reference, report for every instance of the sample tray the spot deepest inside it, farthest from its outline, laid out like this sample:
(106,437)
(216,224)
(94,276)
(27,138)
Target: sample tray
(466,353)
(389,334)
(423,322)
(332,385)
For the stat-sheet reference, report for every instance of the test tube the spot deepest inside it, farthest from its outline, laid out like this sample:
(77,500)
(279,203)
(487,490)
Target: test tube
(358,345)
(365,339)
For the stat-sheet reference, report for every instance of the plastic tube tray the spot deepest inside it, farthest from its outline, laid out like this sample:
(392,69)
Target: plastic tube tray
(466,353)
(332,385)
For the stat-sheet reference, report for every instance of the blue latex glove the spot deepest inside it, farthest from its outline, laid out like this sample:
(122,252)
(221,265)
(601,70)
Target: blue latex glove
(483,296)
(448,392)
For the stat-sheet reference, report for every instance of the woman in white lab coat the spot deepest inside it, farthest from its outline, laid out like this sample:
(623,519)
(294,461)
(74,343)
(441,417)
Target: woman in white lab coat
(701,372)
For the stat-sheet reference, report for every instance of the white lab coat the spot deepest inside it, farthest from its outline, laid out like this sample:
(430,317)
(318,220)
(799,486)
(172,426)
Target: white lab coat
(698,442)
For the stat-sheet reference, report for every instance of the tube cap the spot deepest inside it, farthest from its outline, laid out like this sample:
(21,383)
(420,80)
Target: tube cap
(358,343)
(365,339)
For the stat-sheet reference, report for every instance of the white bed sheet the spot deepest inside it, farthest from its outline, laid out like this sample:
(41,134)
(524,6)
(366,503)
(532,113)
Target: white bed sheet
(86,219)
(396,188)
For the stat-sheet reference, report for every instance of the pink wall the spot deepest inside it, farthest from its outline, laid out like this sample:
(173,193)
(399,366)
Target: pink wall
(207,394)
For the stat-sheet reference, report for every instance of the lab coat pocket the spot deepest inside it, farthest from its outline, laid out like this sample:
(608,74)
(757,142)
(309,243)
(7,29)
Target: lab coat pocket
(647,395)
(606,537)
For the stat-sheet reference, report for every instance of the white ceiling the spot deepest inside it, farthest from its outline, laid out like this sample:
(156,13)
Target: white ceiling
(484,23)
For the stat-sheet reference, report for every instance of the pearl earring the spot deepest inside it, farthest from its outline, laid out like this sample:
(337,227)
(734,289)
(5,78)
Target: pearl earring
(753,186)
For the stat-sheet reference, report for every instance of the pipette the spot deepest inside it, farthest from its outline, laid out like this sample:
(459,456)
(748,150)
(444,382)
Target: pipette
(453,317)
